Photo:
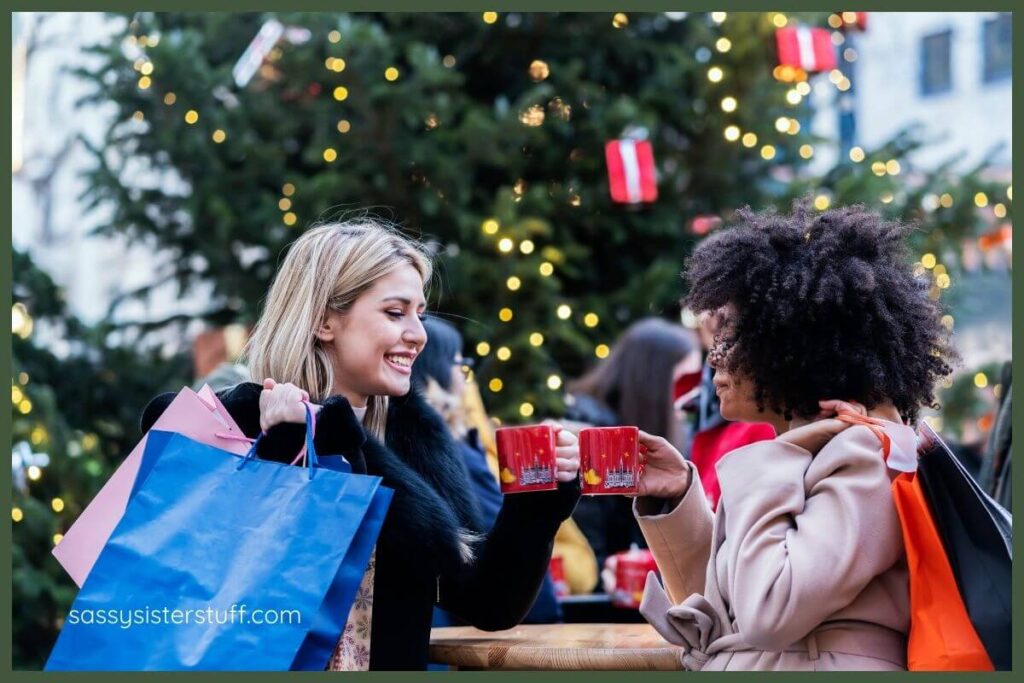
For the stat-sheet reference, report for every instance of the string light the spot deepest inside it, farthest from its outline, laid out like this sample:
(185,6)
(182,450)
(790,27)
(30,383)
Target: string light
(503,353)
(344,126)
(723,44)
(490,226)
(34,473)
(602,351)
(980,380)
(947,322)
(804,88)
(25,407)
(145,82)
(928,261)
(821,202)
(536,339)
(794,97)
(782,124)
(939,269)
(835,21)
(620,20)
(729,104)
(505,245)
(57,538)
(591,320)
(856,154)
(999,210)
(483,348)
(554,382)
(806,151)
(289,218)
(513,283)
(448,61)
(341,93)
(794,127)
(495,385)
(946,200)
(981,200)
(526,246)
(57,504)
(170,98)
(505,315)
(878,168)
(749,139)
(546,269)
(17,515)
(219,136)
(138,116)
(887,197)
(943,281)
(715,74)
(892,167)
(539,70)
(21,321)
(732,133)
(23,378)
(780,20)
(191,116)
(564,312)
(334,36)
(718,17)
(391,74)
(284,204)
(16,394)
(330,154)
(526,409)
(768,152)
(490,17)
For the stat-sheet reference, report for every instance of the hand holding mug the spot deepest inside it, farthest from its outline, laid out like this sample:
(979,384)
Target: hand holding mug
(665,473)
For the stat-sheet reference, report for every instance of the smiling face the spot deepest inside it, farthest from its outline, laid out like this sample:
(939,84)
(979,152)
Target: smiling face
(735,391)
(373,344)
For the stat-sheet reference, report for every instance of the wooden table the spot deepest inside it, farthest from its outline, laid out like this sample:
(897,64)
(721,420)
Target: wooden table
(555,647)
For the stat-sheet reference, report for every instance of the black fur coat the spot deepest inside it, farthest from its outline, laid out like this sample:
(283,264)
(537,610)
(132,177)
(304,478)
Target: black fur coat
(419,555)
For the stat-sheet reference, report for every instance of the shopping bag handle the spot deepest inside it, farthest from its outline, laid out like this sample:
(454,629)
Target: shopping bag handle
(873,423)
(312,461)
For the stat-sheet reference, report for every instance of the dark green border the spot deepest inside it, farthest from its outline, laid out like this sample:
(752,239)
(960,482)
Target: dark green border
(470,5)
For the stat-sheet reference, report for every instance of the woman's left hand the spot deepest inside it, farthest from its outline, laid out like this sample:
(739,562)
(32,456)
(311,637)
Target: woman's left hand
(814,434)
(567,454)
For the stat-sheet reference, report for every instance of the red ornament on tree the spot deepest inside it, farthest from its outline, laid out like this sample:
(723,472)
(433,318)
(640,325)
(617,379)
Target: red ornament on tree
(702,225)
(810,49)
(631,178)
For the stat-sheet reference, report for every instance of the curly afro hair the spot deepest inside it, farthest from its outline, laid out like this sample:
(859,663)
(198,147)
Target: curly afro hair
(827,307)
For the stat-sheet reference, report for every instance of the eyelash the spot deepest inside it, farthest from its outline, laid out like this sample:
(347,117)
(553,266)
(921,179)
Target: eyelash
(398,314)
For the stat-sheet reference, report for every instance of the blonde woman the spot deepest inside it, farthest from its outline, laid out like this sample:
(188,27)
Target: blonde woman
(342,326)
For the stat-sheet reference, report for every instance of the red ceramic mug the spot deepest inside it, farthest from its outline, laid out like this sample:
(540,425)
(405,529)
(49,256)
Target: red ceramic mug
(609,461)
(631,569)
(526,458)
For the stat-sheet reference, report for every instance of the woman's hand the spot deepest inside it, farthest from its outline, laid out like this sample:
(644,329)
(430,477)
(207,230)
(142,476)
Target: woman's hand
(281,403)
(567,454)
(665,473)
(813,435)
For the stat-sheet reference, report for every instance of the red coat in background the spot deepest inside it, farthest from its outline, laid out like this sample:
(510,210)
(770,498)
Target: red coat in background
(710,445)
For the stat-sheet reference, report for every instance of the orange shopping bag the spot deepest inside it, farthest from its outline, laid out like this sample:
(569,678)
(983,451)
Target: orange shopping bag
(942,637)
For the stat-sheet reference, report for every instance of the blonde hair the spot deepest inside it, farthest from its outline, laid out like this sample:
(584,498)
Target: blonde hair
(325,269)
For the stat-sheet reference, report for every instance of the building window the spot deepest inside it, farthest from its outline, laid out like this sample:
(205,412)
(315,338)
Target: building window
(936,65)
(996,34)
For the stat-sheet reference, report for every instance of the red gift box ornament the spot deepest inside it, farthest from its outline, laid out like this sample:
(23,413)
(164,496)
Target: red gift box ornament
(810,49)
(631,171)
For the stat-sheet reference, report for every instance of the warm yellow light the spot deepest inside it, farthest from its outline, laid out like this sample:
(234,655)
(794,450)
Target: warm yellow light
(287,189)
(729,104)
(57,504)
(554,382)
(503,353)
(857,154)
(892,167)
(490,226)
(928,260)
(794,97)
(526,409)
(17,515)
(939,269)
(495,385)
(513,283)
(23,378)
(505,314)
(878,168)
(981,200)
(546,269)
(338,65)
(539,70)
(505,245)
(980,380)
(835,76)
(768,152)
(219,136)
(526,246)
(749,139)
(887,197)
(191,116)
(536,339)
(284,204)
(344,126)
(563,312)
(821,202)
(947,322)
(57,538)
(1009,192)
(591,320)
(782,124)
(794,127)
(943,281)
(602,350)
(806,151)
(16,395)
(170,98)
(25,407)
(289,218)
(490,17)
(38,435)
(835,21)
(483,348)
(391,74)
(330,154)
(620,20)
(138,116)
(334,36)
(946,200)
(718,17)
(715,74)
(723,44)
(341,93)
(999,210)
(34,473)
(804,88)
(780,20)
(732,133)
(448,61)
(850,17)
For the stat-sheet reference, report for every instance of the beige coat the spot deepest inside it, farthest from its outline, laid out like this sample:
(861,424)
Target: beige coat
(807,570)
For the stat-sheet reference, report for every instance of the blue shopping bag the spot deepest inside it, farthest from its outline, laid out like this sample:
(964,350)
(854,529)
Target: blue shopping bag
(220,562)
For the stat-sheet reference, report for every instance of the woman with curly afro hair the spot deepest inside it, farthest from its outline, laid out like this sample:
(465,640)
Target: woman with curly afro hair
(802,565)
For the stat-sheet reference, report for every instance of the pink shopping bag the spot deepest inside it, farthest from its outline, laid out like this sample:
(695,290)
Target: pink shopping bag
(199,416)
